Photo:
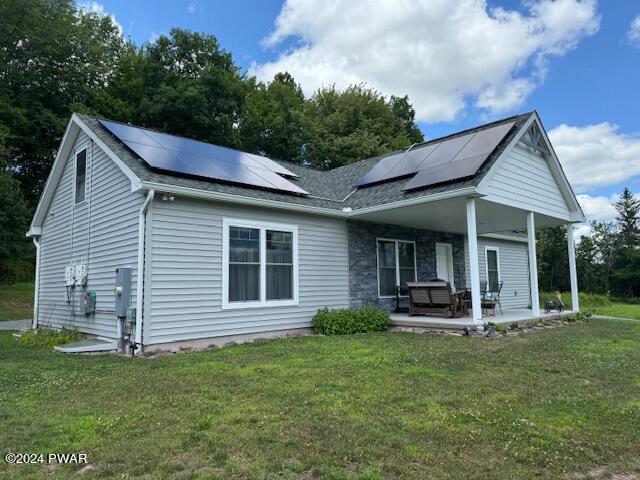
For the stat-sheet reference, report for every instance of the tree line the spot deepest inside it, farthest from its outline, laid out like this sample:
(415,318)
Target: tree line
(607,260)
(56,59)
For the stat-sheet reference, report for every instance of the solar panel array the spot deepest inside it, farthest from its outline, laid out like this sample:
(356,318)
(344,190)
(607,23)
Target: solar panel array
(191,157)
(449,159)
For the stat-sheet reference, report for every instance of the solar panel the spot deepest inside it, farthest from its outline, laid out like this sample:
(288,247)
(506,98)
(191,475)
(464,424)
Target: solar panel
(191,157)
(380,169)
(484,141)
(411,161)
(446,172)
(459,154)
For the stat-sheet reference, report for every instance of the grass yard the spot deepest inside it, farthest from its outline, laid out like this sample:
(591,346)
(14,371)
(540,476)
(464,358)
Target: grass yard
(597,304)
(16,301)
(548,404)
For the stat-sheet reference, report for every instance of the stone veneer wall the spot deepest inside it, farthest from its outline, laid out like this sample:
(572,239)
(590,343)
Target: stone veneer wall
(363,276)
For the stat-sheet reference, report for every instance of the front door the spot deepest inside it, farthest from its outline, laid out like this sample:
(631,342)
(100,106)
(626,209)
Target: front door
(444,262)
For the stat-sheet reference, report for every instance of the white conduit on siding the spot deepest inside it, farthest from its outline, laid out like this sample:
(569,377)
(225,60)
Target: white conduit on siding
(34,323)
(140,272)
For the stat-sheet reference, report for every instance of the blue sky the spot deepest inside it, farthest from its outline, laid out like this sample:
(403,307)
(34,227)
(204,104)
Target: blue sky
(576,62)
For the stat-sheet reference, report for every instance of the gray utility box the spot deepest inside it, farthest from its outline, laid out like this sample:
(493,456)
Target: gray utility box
(122,291)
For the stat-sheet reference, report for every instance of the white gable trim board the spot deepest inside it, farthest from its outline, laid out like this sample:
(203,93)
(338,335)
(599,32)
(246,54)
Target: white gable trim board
(525,178)
(74,128)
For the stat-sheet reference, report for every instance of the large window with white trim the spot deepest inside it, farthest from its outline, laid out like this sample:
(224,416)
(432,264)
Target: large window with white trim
(396,265)
(259,264)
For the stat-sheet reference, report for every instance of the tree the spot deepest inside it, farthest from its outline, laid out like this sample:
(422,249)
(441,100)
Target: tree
(628,220)
(350,125)
(606,241)
(14,221)
(553,258)
(53,57)
(184,84)
(587,265)
(273,122)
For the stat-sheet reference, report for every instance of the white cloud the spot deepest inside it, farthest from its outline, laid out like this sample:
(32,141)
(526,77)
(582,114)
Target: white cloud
(443,54)
(98,8)
(634,32)
(598,208)
(596,155)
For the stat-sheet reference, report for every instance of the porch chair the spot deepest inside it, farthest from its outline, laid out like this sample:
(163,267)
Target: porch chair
(491,299)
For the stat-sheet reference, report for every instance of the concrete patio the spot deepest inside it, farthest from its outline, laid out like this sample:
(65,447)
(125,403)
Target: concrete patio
(507,317)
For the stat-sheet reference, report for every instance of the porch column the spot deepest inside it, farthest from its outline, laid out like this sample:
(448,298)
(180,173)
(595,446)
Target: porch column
(573,275)
(474,268)
(533,264)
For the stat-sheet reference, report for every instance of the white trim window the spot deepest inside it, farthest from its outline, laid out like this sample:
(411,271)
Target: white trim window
(80,183)
(396,265)
(492,264)
(260,264)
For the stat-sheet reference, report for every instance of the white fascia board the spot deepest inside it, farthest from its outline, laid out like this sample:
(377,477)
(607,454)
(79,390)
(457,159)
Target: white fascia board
(554,166)
(483,186)
(74,127)
(237,199)
(68,139)
(434,197)
(259,202)
(135,181)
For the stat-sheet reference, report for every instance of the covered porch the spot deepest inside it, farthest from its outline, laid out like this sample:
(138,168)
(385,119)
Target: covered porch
(480,221)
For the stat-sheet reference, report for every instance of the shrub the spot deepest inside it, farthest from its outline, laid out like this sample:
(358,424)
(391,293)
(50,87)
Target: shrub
(501,329)
(351,320)
(580,317)
(46,339)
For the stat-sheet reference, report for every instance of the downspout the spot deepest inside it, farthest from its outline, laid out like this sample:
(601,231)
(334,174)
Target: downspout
(34,323)
(142,220)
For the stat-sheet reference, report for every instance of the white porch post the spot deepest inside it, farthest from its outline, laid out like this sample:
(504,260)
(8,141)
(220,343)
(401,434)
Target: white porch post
(573,274)
(474,268)
(533,264)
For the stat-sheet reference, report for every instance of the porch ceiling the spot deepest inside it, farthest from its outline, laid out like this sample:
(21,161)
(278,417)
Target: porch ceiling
(449,215)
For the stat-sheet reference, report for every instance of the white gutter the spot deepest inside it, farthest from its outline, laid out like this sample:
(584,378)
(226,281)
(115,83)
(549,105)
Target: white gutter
(434,197)
(261,202)
(34,323)
(142,220)
(238,199)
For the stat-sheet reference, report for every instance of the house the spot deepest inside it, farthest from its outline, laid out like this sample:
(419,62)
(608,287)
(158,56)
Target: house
(222,244)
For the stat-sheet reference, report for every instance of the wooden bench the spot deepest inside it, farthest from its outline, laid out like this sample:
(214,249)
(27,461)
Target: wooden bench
(434,298)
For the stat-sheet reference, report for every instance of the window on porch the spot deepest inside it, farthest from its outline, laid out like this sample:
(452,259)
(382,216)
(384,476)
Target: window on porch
(396,265)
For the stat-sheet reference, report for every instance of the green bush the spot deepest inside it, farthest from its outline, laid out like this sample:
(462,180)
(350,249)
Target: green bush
(501,329)
(46,339)
(351,320)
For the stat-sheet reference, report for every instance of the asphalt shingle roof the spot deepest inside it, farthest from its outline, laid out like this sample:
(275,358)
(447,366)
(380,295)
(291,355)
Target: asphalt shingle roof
(331,189)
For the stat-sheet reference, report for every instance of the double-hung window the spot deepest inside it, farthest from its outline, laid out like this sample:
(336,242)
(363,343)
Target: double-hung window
(260,264)
(81,175)
(396,265)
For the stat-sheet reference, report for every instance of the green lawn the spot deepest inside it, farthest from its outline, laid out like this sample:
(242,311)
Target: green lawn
(16,301)
(546,404)
(597,304)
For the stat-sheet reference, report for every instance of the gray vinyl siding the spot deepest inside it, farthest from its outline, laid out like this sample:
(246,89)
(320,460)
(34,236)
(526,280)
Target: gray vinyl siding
(101,231)
(186,274)
(514,270)
(523,180)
